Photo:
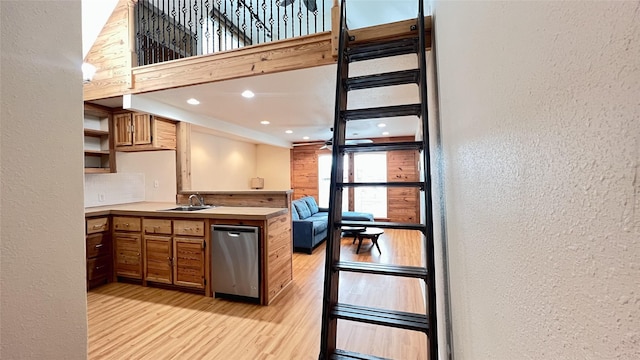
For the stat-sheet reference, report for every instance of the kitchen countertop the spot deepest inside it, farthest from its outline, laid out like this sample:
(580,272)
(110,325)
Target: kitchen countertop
(156,209)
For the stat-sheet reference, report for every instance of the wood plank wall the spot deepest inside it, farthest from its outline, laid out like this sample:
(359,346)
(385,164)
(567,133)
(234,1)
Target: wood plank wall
(112,56)
(304,170)
(403,204)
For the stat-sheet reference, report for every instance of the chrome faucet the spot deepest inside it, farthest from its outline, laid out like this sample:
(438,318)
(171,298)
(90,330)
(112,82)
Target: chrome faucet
(196,196)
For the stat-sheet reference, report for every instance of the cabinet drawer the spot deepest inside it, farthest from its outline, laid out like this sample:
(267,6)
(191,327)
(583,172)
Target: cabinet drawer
(97,225)
(156,226)
(124,223)
(98,245)
(98,267)
(188,227)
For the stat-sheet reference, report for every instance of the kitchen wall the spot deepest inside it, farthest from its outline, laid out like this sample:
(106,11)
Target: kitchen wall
(539,105)
(274,165)
(141,176)
(158,168)
(219,163)
(42,252)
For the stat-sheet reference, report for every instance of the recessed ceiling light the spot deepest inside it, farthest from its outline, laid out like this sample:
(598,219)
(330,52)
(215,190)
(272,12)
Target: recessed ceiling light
(381,125)
(264,122)
(289,131)
(193,101)
(248,94)
(385,133)
(305,138)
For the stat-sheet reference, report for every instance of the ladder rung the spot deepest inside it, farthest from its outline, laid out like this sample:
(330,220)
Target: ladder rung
(349,355)
(384,317)
(382,49)
(383,225)
(382,269)
(394,146)
(380,80)
(382,112)
(385,184)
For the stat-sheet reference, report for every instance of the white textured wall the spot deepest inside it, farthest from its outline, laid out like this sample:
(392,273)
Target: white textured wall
(540,120)
(157,166)
(42,277)
(274,165)
(218,163)
(114,188)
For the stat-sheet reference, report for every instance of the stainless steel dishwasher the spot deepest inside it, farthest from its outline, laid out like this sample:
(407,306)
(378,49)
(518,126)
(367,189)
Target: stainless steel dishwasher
(235,262)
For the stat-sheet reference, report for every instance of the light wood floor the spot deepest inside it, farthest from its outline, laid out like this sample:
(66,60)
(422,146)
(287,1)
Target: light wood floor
(134,322)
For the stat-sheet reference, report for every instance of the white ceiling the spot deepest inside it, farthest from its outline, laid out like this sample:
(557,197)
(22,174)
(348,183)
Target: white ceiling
(300,100)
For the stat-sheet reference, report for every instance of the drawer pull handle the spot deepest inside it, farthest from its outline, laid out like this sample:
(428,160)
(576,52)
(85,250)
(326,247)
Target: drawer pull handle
(99,246)
(100,267)
(98,226)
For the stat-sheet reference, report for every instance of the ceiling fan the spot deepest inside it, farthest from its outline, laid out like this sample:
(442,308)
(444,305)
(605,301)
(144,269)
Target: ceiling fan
(309,4)
(328,143)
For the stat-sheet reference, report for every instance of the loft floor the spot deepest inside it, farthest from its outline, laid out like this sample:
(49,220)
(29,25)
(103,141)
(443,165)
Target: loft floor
(134,322)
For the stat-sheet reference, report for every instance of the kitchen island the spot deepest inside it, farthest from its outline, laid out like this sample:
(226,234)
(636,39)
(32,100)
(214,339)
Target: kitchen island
(155,246)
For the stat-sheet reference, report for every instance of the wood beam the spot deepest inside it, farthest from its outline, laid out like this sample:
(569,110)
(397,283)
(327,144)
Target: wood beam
(183,157)
(392,31)
(297,53)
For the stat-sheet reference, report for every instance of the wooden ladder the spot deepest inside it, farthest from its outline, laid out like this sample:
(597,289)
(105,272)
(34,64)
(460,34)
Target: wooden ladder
(333,310)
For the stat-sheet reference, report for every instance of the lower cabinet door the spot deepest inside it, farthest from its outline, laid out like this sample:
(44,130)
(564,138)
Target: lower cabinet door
(189,260)
(128,255)
(158,259)
(98,268)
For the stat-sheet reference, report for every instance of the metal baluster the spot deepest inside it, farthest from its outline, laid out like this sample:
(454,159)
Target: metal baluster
(323,15)
(164,31)
(138,24)
(173,31)
(251,23)
(238,23)
(307,22)
(184,28)
(299,18)
(190,23)
(154,31)
(207,33)
(264,16)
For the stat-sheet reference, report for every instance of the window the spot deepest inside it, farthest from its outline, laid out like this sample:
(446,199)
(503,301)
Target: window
(370,167)
(324,181)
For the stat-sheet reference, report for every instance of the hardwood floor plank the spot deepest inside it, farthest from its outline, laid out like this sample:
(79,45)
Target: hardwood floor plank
(134,322)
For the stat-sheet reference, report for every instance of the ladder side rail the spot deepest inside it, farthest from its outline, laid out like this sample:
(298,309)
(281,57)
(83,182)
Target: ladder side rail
(432,333)
(331,278)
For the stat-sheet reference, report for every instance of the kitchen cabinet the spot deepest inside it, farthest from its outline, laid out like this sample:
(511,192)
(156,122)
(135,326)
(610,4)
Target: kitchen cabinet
(174,252)
(99,251)
(134,131)
(128,242)
(158,257)
(99,155)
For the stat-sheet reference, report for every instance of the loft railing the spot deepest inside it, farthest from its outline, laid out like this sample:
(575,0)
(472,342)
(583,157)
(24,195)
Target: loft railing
(174,29)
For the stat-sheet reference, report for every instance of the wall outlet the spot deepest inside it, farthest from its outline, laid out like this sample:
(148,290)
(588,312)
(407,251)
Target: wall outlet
(156,184)
(101,197)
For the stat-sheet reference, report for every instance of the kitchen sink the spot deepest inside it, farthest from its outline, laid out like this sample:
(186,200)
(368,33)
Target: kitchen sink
(190,208)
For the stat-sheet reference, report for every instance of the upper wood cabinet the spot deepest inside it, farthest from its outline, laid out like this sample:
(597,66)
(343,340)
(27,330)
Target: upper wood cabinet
(135,131)
(99,155)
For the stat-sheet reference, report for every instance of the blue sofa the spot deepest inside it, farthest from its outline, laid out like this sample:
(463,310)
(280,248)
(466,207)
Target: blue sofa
(310,223)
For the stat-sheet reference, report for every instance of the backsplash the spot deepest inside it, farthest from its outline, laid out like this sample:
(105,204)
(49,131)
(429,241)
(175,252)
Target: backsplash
(111,189)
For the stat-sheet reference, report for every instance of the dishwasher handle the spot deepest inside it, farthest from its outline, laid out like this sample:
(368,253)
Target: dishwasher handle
(234,230)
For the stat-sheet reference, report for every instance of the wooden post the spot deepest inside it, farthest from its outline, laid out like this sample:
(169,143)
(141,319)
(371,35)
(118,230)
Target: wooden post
(335,28)
(133,59)
(183,157)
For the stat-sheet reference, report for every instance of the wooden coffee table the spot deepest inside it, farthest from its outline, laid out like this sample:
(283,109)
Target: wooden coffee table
(369,233)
